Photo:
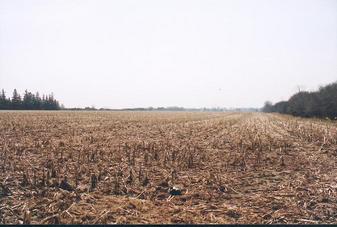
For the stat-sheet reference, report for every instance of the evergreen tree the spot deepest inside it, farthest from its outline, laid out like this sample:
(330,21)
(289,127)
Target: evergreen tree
(29,101)
(16,101)
(37,102)
(4,102)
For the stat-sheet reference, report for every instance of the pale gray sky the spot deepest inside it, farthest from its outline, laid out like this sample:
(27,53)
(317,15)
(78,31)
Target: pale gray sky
(192,53)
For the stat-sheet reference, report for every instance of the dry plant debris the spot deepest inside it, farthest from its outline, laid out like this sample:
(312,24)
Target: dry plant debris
(158,167)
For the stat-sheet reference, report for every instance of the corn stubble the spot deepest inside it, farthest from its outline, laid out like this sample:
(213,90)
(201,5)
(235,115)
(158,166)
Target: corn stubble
(138,167)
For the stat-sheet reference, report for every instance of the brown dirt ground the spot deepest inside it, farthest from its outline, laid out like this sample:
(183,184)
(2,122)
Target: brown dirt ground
(119,167)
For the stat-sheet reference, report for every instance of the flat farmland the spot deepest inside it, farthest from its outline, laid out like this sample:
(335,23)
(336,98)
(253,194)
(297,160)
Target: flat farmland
(166,167)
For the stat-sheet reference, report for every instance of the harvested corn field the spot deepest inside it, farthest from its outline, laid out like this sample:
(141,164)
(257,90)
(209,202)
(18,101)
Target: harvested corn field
(160,167)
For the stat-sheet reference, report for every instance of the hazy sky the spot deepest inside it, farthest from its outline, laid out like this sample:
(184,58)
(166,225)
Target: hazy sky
(190,53)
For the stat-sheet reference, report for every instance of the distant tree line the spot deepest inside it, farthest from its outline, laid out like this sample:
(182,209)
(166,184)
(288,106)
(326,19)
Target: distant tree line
(177,108)
(321,103)
(28,101)
(168,109)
